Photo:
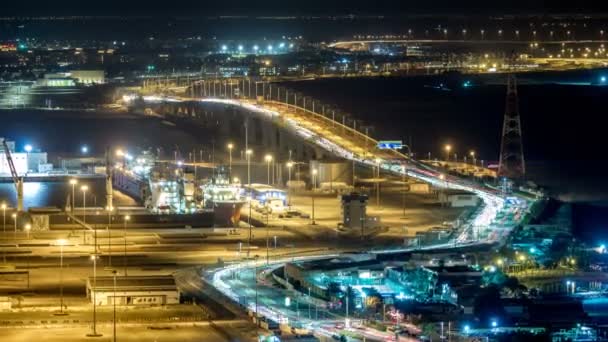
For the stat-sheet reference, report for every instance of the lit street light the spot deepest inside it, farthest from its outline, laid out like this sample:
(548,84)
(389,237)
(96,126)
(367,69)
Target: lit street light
(84,189)
(289,167)
(378,164)
(248,154)
(27,229)
(472,154)
(314,185)
(230,147)
(127,218)
(14,216)
(94,333)
(447,148)
(268,159)
(4,229)
(73,183)
(61,243)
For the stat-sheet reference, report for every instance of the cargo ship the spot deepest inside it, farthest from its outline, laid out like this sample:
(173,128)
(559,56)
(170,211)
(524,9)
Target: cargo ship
(225,198)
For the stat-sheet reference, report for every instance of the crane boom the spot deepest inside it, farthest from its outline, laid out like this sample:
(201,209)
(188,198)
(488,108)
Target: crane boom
(16,179)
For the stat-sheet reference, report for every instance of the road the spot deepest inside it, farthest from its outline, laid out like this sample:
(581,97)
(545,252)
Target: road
(493,222)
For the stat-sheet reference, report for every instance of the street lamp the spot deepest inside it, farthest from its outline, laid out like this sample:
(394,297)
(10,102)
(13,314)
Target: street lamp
(378,161)
(84,189)
(230,147)
(472,154)
(268,159)
(314,185)
(73,183)
(404,172)
(127,218)
(4,227)
(14,216)
(61,243)
(94,333)
(289,167)
(248,154)
(447,148)
(27,229)
(109,210)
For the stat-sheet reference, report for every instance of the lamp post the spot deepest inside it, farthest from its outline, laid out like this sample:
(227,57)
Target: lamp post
(84,189)
(3,217)
(127,218)
(230,147)
(27,229)
(109,210)
(14,216)
(114,272)
(378,163)
(73,183)
(314,182)
(61,243)
(94,333)
(447,148)
(248,154)
(472,154)
(404,171)
(289,167)
(4,229)
(255,276)
(268,159)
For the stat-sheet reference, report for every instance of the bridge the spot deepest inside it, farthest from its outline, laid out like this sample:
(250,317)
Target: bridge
(313,123)
(347,44)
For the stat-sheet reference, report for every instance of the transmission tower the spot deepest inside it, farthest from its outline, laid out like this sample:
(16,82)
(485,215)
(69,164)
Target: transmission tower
(512,164)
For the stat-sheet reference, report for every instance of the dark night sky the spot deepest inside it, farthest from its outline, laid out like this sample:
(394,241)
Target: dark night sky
(294,7)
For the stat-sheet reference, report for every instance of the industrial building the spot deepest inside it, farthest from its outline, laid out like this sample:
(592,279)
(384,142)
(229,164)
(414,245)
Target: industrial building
(458,198)
(25,161)
(354,212)
(133,290)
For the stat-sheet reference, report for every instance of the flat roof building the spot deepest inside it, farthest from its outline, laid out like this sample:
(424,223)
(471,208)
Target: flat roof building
(134,290)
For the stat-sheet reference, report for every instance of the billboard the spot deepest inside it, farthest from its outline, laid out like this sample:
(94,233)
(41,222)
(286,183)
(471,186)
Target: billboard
(390,144)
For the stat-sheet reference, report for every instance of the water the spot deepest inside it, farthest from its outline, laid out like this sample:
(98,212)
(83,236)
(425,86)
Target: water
(55,194)
(562,126)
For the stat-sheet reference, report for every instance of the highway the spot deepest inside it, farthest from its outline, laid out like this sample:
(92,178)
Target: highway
(495,219)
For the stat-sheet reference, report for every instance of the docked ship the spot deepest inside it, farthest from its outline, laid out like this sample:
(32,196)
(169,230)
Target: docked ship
(225,198)
(170,189)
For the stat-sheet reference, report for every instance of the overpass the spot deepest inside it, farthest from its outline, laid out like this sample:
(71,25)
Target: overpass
(312,122)
(345,44)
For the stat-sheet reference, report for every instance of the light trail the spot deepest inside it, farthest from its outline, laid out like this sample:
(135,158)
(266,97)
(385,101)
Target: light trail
(493,205)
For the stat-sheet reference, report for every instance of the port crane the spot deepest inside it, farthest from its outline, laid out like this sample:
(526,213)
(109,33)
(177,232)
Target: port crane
(16,178)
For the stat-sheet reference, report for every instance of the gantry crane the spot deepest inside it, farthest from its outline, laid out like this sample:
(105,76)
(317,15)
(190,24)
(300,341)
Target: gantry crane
(16,178)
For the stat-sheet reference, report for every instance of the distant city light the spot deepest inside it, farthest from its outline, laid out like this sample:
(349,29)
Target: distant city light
(269,47)
(603,79)
(255,48)
(240,47)
(282,45)
(224,48)
(28,148)
(84,149)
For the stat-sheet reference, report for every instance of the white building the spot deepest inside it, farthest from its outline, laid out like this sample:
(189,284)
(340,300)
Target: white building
(134,290)
(24,162)
(458,198)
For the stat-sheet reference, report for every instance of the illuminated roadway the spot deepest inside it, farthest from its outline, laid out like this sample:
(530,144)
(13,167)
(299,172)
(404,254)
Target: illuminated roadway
(352,145)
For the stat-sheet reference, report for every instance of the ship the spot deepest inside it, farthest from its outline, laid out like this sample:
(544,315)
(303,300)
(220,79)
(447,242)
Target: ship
(225,198)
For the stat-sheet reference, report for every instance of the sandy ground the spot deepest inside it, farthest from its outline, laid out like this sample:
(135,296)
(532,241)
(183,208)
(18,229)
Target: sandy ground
(152,333)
